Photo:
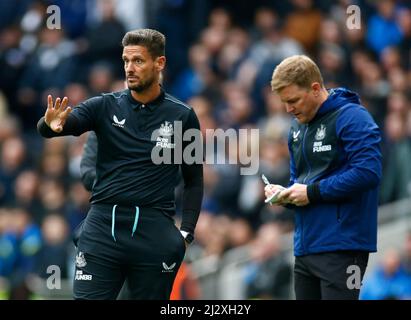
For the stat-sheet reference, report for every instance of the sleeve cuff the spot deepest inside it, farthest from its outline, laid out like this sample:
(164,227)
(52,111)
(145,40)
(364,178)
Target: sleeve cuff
(187,229)
(313,193)
(44,129)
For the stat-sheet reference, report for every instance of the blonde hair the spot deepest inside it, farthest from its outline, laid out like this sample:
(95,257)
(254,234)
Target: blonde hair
(299,70)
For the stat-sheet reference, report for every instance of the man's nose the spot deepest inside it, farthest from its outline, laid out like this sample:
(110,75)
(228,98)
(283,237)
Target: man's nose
(289,108)
(129,67)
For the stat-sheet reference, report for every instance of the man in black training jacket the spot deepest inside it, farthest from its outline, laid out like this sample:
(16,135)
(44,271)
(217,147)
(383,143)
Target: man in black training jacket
(129,232)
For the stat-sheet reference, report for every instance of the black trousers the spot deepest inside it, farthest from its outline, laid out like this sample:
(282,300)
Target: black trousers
(117,243)
(330,275)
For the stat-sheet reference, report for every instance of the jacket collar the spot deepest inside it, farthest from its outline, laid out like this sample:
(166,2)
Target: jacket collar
(150,105)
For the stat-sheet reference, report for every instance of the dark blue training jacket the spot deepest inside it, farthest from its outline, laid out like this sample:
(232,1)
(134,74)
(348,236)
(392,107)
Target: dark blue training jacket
(338,156)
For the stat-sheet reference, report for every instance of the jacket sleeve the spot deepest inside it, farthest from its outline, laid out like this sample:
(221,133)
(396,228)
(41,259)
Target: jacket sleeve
(88,161)
(83,118)
(193,181)
(360,138)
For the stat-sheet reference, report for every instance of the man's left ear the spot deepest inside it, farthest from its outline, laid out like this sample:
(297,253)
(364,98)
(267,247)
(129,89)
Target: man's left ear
(316,87)
(160,63)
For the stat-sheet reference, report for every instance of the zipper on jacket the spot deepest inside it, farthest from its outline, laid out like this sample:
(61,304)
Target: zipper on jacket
(308,174)
(305,156)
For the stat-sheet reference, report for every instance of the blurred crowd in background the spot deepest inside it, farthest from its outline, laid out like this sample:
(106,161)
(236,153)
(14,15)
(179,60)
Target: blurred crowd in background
(220,58)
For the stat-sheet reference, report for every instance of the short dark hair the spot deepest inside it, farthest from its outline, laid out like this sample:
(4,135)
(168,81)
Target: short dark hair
(153,40)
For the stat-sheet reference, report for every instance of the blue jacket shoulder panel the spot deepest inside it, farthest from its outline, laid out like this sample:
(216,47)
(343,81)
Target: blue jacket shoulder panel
(360,139)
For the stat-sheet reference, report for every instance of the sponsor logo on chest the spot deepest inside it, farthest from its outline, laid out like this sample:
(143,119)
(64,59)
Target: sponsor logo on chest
(165,133)
(318,144)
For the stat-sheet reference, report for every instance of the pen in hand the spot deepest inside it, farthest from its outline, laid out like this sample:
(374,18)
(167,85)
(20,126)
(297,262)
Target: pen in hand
(274,195)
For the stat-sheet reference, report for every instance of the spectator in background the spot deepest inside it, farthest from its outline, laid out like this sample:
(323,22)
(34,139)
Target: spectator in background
(12,61)
(383,28)
(29,242)
(77,91)
(132,13)
(406,256)
(53,197)
(374,89)
(389,281)
(8,243)
(101,38)
(303,24)
(26,188)
(233,53)
(100,78)
(397,77)
(73,16)
(51,67)
(9,127)
(272,46)
(396,182)
(239,107)
(204,111)
(78,206)
(55,248)
(54,166)
(239,233)
(332,64)
(11,11)
(390,59)
(196,77)
(13,162)
(268,275)
(52,64)
(404,20)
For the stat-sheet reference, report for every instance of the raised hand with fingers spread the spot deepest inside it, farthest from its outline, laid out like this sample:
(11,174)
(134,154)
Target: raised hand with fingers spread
(56,115)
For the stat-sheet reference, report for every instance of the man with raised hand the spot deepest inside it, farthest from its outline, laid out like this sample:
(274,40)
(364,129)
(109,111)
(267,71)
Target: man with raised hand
(129,232)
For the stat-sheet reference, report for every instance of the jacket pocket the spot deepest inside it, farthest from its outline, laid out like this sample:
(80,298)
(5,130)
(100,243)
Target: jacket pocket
(180,236)
(77,232)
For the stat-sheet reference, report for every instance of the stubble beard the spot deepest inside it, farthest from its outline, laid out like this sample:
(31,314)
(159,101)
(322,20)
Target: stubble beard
(142,86)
